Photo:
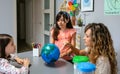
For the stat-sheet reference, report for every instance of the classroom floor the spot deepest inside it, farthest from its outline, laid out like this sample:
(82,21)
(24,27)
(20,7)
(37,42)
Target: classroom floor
(23,46)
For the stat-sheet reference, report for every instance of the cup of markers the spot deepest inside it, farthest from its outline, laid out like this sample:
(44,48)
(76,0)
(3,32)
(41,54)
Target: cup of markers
(36,49)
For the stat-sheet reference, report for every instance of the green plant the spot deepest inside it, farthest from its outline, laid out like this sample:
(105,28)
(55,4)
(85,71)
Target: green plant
(79,22)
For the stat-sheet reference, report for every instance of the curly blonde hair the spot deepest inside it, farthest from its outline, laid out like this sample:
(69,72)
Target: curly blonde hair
(102,44)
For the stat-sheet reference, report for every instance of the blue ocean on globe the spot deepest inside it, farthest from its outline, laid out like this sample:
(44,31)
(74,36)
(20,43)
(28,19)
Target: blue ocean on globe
(50,53)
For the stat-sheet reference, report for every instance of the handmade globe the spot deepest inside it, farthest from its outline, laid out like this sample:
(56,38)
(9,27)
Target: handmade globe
(50,53)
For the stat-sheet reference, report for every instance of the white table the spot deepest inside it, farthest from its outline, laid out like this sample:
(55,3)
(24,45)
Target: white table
(38,66)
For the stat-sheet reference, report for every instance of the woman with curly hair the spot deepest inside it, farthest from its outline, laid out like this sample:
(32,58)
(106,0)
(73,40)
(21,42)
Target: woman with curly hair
(99,48)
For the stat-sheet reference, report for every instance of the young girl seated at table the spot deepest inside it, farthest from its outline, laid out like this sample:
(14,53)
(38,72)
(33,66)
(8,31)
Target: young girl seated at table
(7,51)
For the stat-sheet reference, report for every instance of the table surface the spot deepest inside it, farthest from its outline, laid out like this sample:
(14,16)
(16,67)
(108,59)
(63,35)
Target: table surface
(38,66)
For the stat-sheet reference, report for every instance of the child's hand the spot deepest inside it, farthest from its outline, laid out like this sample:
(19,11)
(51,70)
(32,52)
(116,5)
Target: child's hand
(65,52)
(69,45)
(62,54)
(19,60)
(26,62)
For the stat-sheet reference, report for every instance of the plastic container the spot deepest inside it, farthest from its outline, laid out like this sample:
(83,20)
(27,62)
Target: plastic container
(86,68)
(78,59)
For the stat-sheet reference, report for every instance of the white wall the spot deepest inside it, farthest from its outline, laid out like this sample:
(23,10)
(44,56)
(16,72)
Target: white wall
(112,22)
(58,4)
(8,18)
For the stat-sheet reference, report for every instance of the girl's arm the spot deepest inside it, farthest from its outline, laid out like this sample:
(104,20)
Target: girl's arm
(16,58)
(52,40)
(73,40)
(51,37)
(7,68)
